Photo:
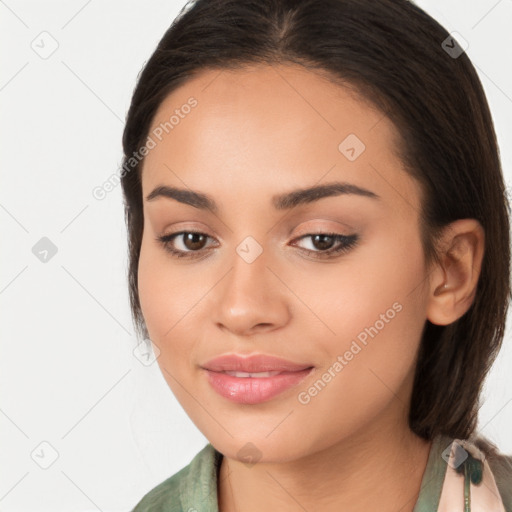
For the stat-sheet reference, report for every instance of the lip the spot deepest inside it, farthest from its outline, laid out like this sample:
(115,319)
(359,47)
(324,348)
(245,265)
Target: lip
(253,390)
(253,363)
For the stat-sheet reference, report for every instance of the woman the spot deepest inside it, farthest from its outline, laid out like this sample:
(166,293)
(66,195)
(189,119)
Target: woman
(319,252)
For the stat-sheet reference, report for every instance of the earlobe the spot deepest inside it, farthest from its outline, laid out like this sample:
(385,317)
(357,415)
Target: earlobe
(454,280)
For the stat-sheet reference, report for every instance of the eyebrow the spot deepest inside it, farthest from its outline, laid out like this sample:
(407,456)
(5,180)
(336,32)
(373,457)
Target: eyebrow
(284,201)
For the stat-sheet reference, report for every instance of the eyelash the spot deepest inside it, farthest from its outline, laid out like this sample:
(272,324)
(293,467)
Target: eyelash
(348,242)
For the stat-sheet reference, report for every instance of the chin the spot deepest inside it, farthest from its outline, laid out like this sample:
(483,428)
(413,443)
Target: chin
(259,449)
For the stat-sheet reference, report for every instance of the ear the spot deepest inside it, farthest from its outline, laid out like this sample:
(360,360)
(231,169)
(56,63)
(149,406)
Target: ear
(454,280)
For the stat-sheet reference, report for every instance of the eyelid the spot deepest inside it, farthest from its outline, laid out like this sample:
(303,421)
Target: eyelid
(189,227)
(313,227)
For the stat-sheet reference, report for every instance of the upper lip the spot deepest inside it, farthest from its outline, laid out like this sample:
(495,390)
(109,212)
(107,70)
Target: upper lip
(252,364)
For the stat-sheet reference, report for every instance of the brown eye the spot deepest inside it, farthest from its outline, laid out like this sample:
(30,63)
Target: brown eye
(191,244)
(184,243)
(194,241)
(322,242)
(328,245)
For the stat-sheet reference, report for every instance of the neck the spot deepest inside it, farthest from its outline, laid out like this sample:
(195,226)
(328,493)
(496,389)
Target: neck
(377,468)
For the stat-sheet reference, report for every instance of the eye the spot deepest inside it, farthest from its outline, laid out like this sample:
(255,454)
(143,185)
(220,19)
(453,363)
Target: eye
(191,243)
(324,244)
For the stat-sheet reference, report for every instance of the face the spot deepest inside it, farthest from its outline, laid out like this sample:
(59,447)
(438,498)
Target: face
(331,281)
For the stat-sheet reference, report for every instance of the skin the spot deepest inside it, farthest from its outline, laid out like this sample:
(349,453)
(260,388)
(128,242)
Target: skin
(266,130)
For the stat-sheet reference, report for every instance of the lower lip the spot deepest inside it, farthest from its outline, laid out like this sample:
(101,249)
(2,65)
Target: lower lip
(254,390)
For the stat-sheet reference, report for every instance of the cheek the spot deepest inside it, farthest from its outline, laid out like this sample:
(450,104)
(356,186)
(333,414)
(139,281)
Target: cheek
(165,293)
(378,324)
(169,296)
(376,313)
(151,292)
(383,275)
(164,306)
(163,299)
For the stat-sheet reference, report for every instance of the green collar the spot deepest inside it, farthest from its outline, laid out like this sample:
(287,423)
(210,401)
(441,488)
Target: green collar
(198,490)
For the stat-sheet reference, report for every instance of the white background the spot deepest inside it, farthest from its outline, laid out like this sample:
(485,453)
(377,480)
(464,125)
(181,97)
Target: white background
(68,374)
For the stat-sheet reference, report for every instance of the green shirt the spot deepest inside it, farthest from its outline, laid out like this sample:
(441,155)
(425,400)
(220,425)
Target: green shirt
(194,488)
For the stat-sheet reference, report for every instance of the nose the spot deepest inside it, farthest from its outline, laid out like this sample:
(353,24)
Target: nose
(251,299)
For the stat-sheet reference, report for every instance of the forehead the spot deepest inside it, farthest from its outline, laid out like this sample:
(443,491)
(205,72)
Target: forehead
(288,100)
(275,124)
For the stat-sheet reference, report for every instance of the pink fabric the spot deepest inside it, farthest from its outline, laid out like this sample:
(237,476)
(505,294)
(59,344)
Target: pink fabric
(485,496)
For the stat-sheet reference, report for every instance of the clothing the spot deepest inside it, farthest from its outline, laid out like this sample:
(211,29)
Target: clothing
(194,488)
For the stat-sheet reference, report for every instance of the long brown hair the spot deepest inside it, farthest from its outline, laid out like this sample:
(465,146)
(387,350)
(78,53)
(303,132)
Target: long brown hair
(406,64)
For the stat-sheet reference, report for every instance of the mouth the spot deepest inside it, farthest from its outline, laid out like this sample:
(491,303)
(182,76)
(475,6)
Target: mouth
(253,364)
(253,379)
(257,375)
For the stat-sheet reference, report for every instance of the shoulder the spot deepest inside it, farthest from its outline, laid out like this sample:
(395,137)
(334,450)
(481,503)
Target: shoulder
(501,467)
(196,482)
